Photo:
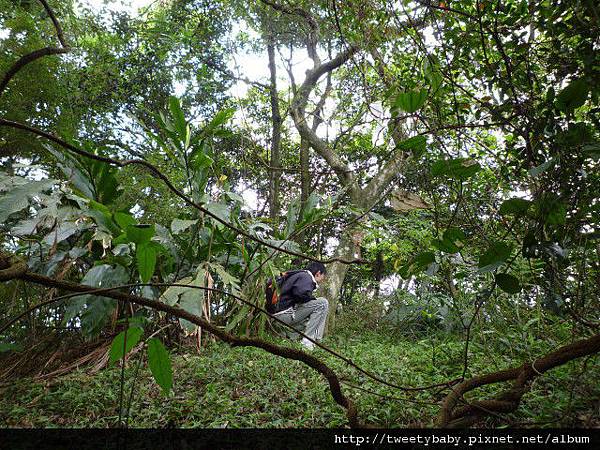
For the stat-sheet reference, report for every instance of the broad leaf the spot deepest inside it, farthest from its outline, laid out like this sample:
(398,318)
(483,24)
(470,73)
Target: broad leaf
(119,343)
(407,201)
(221,210)
(174,293)
(417,145)
(573,96)
(460,168)
(411,101)
(18,197)
(160,364)
(516,206)
(452,241)
(124,219)
(494,257)
(538,170)
(145,256)
(95,310)
(178,117)
(180,225)
(139,234)
(417,264)
(508,283)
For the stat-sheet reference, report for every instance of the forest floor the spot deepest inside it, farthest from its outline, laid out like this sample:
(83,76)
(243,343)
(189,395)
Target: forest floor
(247,387)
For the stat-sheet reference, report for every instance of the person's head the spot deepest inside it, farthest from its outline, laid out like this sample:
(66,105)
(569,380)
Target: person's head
(318,270)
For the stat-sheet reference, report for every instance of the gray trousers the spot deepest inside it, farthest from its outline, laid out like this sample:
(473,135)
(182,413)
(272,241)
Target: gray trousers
(309,318)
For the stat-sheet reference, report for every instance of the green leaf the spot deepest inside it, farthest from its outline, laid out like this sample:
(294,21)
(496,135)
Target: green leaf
(173,294)
(18,197)
(416,145)
(551,209)
(133,337)
(411,101)
(573,96)
(417,264)
(221,210)
(592,151)
(456,236)
(124,219)
(220,118)
(538,170)
(460,168)
(95,310)
(179,225)
(452,241)
(494,257)
(508,283)
(241,314)
(178,117)
(445,246)
(139,234)
(145,256)
(160,364)
(516,206)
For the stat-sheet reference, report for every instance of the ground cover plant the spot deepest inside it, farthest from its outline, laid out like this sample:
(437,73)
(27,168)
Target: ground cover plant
(439,157)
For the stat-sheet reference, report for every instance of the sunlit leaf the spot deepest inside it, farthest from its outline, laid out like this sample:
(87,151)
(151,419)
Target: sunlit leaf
(139,234)
(411,101)
(460,168)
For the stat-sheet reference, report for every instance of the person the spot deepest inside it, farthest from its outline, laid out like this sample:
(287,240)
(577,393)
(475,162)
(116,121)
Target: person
(305,313)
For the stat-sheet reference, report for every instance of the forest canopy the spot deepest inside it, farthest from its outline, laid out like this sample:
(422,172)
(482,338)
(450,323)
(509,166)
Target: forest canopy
(159,165)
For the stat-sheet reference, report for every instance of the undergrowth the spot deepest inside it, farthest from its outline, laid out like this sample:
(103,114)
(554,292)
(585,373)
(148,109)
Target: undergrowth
(247,387)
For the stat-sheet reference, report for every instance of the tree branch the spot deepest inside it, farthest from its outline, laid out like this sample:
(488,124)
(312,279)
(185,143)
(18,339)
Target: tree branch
(155,172)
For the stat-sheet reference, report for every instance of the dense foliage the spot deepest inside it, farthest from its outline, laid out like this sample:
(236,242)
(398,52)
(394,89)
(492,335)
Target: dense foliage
(441,157)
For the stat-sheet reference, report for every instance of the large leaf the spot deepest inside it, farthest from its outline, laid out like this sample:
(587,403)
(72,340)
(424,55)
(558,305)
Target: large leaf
(124,219)
(417,264)
(178,117)
(17,198)
(573,96)
(551,209)
(516,206)
(221,210)
(416,145)
(139,234)
(160,364)
(453,240)
(220,118)
(119,343)
(173,294)
(63,231)
(411,101)
(494,257)
(508,283)
(403,201)
(145,256)
(179,225)
(460,168)
(538,170)
(95,310)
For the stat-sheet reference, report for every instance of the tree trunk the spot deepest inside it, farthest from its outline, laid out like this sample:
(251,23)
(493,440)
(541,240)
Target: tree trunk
(336,273)
(276,120)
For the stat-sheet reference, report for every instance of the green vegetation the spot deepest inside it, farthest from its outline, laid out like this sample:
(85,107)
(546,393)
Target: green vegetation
(156,169)
(225,387)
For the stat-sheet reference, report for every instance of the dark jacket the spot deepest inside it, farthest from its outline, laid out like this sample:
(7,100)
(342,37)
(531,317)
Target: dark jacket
(298,288)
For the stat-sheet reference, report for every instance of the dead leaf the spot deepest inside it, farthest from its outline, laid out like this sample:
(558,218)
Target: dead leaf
(407,201)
